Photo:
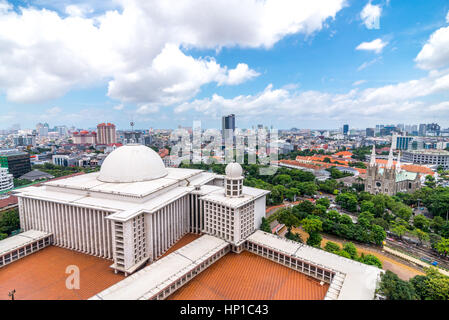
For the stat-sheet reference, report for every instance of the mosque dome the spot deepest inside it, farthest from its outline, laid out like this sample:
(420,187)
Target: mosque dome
(234,170)
(132,163)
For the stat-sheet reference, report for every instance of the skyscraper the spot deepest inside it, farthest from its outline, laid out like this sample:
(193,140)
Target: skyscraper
(345,129)
(228,125)
(106,133)
(370,132)
(422,129)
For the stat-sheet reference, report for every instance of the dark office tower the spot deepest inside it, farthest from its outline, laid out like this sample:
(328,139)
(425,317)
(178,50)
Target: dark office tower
(370,132)
(345,129)
(18,163)
(422,129)
(228,125)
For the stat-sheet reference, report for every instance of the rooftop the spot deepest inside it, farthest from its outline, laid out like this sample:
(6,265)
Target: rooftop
(429,152)
(42,275)
(147,282)
(21,240)
(359,279)
(247,276)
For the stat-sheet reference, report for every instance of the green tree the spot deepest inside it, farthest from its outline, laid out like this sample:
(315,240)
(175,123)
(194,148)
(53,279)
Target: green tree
(287,217)
(372,260)
(314,239)
(394,288)
(421,222)
(421,235)
(9,221)
(282,179)
(312,225)
(378,234)
(351,249)
(306,206)
(399,231)
(430,181)
(332,247)
(442,247)
(324,202)
(265,226)
(367,206)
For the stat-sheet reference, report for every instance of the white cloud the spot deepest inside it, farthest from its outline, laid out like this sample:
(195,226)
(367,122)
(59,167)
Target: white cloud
(435,53)
(119,107)
(398,101)
(447,17)
(53,111)
(371,16)
(47,55)
(77,10)
(238,75)
(358,83)
(367,64)
(147,109)
(376,45)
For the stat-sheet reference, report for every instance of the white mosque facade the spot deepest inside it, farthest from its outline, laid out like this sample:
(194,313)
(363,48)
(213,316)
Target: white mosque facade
(135,208)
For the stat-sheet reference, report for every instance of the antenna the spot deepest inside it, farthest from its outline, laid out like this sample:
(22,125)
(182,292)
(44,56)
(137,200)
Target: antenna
(132,126)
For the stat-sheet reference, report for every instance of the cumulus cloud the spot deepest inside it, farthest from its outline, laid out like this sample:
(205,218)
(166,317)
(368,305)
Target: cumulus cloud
(376,45)
(141,50)
(396,100)
(371,16)
(435,53)
(119,107)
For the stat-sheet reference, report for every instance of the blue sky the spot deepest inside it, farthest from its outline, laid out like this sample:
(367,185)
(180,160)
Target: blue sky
(286,64)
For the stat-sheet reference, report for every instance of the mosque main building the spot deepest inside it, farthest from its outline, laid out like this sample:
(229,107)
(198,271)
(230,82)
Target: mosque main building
(135,209)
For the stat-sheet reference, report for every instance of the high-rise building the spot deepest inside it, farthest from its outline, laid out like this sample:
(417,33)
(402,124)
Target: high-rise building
(345,129)
(42,129)
(24,140)
(106,133)
(422,129)
(84,137)
(6,180)
(370,132)
(402,142)
(18,163)
(228,126)
(433,129)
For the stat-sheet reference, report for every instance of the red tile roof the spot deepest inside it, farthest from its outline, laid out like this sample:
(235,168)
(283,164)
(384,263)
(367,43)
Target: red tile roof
(247,276)
(10,201)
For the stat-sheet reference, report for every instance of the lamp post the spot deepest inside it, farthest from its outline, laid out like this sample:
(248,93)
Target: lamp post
(11,294)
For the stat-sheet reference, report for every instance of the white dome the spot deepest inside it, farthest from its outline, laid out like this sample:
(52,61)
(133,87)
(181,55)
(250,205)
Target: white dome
(234,170)
(132,163)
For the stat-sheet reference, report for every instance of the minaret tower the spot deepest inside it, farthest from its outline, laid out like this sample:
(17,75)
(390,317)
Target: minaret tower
(234,180)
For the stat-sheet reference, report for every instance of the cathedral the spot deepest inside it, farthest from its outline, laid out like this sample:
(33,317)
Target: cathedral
(389,179)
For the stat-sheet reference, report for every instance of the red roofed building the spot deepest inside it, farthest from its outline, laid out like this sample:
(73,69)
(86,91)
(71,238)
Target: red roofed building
(344,154)
(8,203)
(84,137)
(106,133)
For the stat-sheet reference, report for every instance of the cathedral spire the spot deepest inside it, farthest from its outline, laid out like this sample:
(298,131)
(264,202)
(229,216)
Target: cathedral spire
(372,162)
(398,163)
(390,159)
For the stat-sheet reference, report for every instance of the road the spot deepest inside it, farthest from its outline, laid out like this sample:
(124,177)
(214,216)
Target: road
(404,270)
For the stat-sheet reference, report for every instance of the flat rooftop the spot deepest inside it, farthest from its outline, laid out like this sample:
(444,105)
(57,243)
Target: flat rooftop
(41,275)
(247,276)
(359,279)
(151,280)
(21,239)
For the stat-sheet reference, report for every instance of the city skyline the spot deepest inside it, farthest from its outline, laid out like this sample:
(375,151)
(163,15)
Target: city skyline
(317,65)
